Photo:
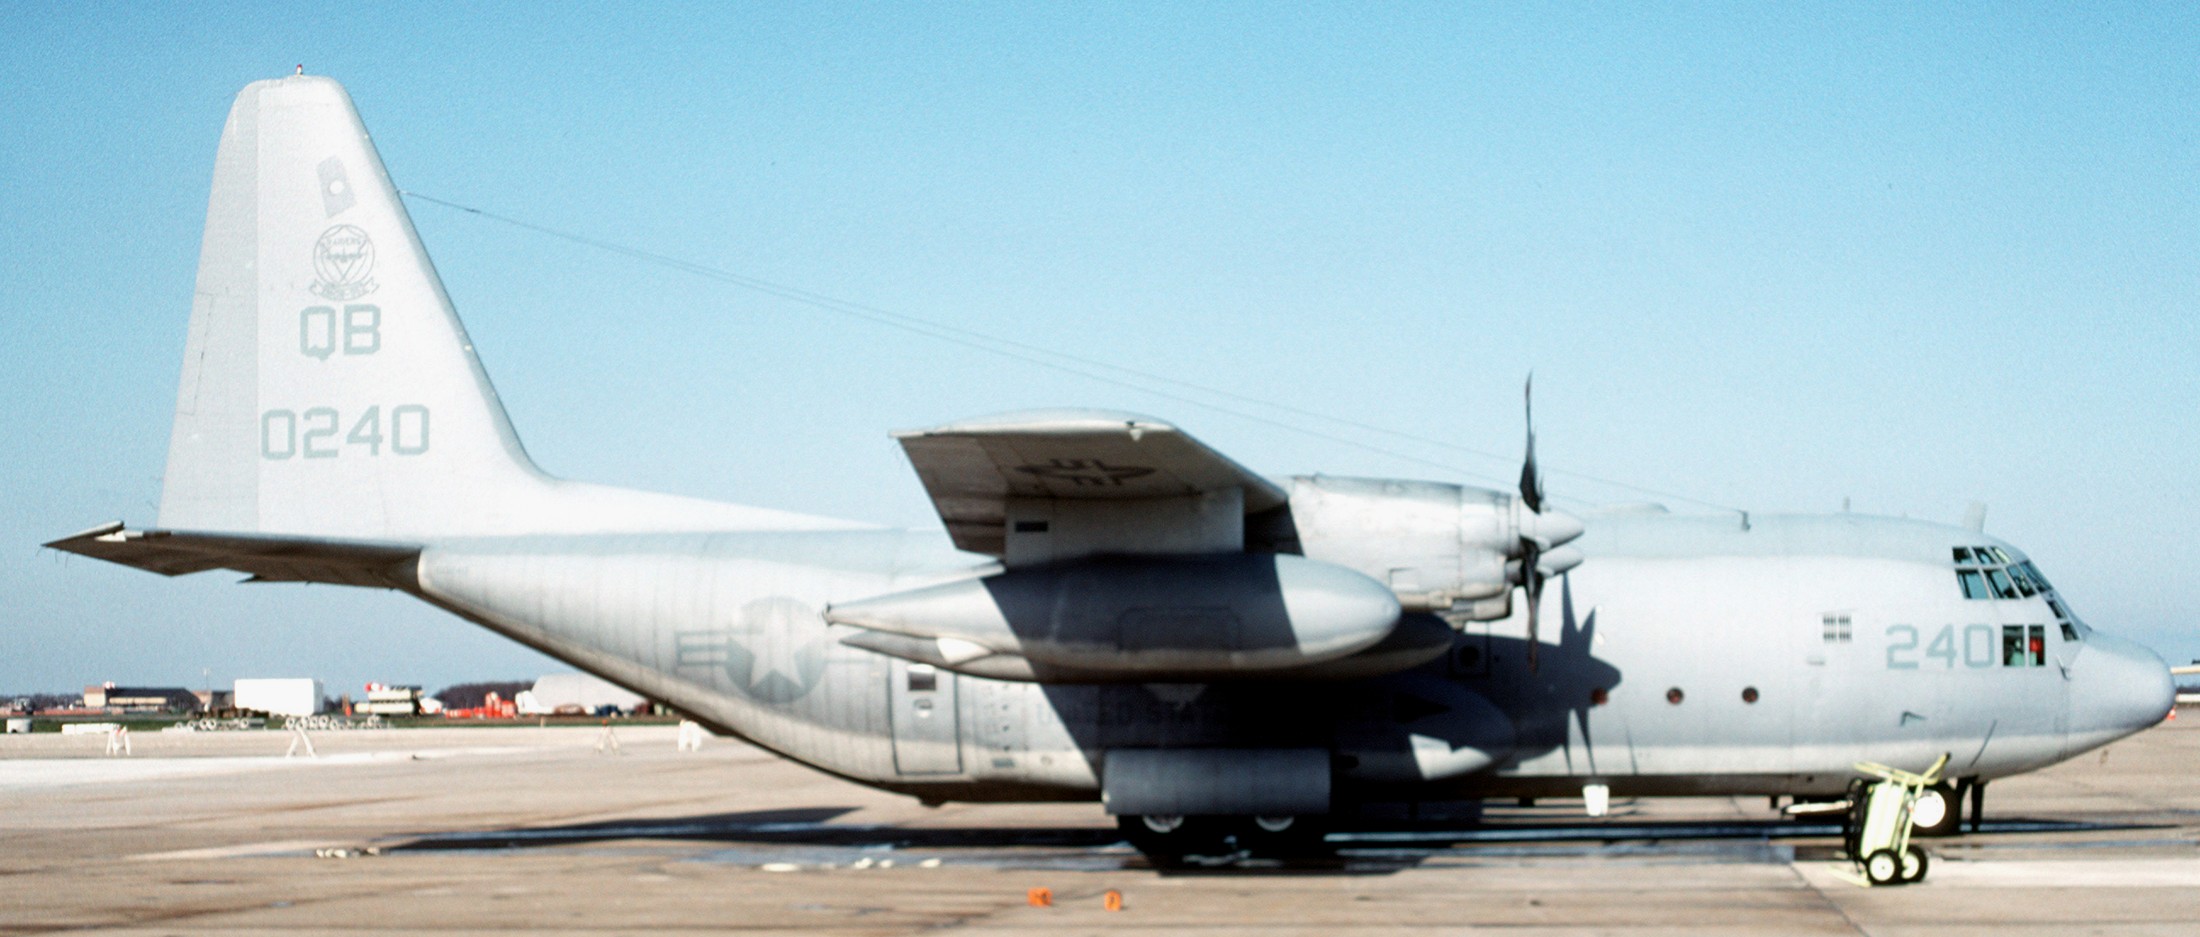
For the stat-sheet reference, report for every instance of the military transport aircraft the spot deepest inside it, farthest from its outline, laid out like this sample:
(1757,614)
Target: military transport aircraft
(1115,611)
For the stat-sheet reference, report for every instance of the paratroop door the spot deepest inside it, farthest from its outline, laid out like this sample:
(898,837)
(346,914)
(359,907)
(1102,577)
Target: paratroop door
(926,738)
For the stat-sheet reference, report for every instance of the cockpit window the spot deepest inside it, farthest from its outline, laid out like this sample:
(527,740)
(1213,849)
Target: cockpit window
(2024,645)
(1987,572)
(2072,628)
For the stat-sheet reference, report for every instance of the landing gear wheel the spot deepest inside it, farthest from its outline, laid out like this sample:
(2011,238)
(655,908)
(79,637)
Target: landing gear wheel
(1280,837)
(1914,864)
(1883,868)
(1937,812)
(1168,839)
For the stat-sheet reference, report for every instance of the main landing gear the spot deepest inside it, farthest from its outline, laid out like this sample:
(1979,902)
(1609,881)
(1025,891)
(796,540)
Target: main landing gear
(1173,840)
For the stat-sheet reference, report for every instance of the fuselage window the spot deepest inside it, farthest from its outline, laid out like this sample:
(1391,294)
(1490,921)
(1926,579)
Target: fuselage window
(2024,645)
(2072,628)
(1988,573)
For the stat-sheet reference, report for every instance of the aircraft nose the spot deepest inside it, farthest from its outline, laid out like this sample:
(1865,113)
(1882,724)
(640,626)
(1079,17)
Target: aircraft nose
(2117,688)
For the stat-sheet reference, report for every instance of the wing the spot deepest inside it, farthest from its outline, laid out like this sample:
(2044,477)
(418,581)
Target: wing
(267,558)
(1045,485)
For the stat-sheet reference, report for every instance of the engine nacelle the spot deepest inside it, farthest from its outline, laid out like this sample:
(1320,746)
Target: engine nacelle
(1439,547)
(1143,617)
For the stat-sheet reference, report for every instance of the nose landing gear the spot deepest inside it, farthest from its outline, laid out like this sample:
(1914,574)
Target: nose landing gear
(1938,811)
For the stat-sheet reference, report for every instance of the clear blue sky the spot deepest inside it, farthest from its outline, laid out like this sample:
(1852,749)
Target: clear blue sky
(1912,256)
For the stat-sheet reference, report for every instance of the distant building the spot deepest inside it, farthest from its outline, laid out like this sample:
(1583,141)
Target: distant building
(134,699)
(386,700)
(576,693)
(283,696)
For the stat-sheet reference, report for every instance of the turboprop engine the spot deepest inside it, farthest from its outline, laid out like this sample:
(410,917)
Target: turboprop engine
(1440,547)
(1133,618)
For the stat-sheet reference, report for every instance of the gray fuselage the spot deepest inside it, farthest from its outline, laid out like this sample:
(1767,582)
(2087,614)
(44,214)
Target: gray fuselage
(1692,655)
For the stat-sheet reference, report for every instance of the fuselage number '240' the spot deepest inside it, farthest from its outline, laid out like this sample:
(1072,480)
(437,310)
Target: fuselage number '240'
(1977,648)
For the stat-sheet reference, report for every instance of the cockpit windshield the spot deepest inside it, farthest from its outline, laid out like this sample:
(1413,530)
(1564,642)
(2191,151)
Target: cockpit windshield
(1984,572)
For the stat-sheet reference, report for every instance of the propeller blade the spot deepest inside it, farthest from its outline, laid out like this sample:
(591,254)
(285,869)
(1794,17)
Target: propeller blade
(1531,481)
(1546,530)
(1534,590)
(1531,590)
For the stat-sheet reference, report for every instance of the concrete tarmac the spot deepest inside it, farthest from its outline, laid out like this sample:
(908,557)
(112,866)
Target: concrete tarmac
(475,830)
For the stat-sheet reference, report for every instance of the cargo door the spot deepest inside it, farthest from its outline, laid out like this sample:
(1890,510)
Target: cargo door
(922,710)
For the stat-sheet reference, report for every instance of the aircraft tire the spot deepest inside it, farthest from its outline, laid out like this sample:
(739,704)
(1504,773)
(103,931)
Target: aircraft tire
(1914,863)
(1169,840)
(1938,804)
(1281,837)
(1882,867)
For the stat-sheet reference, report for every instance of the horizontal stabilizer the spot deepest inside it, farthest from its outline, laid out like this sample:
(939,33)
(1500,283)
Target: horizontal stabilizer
(265,558)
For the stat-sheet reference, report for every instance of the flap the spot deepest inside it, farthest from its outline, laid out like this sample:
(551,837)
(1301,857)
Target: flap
(266,558)
(972,468)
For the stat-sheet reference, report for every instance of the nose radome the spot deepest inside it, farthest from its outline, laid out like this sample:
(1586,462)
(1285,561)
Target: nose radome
(2117,688)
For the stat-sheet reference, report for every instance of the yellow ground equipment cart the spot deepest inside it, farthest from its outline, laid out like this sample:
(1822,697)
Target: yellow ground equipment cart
(1878,831)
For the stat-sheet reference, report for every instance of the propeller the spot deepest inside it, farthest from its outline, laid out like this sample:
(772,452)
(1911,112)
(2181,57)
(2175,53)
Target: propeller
(1542,533)
(1531,495)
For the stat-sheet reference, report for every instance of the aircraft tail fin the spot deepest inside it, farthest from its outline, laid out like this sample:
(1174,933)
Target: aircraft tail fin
(328,387)
(329,392)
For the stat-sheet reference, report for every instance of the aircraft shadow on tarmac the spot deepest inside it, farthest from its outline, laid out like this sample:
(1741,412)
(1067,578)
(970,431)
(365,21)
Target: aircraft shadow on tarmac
(804,826)
(809,833)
